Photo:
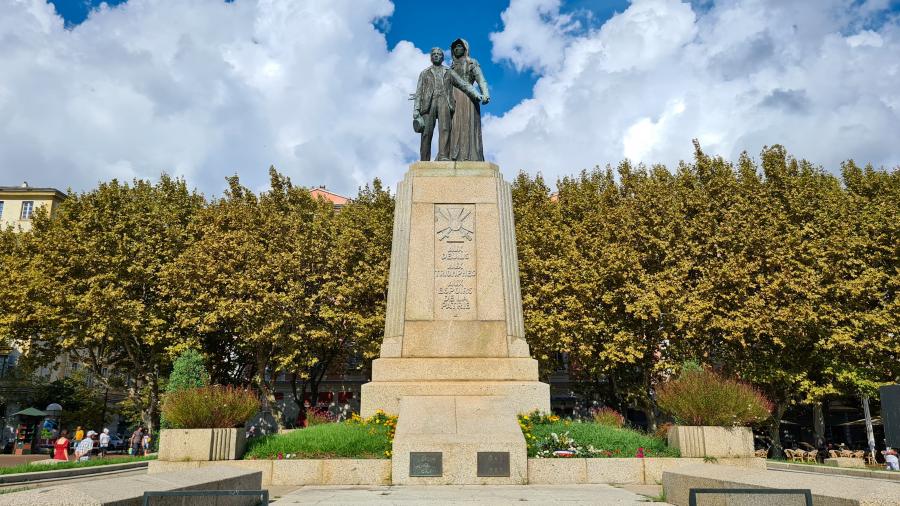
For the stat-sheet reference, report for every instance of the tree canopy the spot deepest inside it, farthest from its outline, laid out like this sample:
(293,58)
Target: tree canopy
(769,269)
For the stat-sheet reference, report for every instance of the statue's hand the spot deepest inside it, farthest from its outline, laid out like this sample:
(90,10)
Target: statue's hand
(485,99)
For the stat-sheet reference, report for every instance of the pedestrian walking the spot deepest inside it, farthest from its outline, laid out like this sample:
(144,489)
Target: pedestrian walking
(145,442)
(104,442)
(136,441)
(79,434)
(61,446)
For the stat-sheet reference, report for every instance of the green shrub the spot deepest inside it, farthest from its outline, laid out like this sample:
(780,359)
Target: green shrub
(608,417)
(703,397)
(212,407)
(188,371)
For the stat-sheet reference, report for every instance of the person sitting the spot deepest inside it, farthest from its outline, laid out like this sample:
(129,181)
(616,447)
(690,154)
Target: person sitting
(85,446)
(891,463)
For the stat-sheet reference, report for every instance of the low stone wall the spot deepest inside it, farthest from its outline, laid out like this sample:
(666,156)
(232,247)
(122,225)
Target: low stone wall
(845,462)
(378,471)
(706,441)
(827,490)
(201,444)
(129,490)
(617,471)
(869,472)
(299,471)
(17,478)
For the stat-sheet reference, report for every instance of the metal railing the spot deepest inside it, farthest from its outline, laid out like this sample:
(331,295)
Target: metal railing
(806,493)
(262,494)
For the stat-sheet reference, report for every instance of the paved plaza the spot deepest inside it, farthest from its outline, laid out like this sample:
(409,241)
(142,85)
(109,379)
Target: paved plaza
(468,494)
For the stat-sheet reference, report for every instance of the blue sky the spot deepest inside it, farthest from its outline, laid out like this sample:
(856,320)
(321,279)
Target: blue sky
(428,24)
(205,89)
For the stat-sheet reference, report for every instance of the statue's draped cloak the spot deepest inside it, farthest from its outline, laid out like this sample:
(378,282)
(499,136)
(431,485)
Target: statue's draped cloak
(465,126)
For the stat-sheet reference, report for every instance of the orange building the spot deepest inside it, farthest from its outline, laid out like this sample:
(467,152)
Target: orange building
(321,192)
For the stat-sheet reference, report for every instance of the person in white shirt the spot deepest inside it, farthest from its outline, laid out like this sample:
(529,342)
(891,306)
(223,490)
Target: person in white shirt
(83,450)
(891,463)
(104,442)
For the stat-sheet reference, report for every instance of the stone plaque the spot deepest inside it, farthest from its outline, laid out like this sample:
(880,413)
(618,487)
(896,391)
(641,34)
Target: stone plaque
(454,262)
(425,464)
(493,464)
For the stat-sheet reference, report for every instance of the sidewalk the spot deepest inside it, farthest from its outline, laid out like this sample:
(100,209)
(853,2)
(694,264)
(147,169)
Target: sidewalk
(14,460)
(471,494)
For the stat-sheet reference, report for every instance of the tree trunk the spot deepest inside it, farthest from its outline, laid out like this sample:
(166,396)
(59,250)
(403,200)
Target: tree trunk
(775,429)
(650,410)
(150,415)
(103,410)
(819,425)
(870,434)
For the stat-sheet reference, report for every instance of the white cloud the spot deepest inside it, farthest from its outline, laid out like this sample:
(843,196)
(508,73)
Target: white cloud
(205,89)
(820,77)
(534,34)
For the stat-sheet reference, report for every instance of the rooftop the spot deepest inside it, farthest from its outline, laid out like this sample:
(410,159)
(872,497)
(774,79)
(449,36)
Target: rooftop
(334,198)
(26,188)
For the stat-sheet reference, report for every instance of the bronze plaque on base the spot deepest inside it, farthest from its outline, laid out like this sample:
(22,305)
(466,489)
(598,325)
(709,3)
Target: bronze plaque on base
(426,464)
(493,464)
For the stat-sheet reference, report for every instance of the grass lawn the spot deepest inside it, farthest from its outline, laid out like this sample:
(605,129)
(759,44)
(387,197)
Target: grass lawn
(33,468)
(346,440)
(616,442)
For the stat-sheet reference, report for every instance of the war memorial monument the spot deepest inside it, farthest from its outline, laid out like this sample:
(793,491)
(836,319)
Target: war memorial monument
(454,362)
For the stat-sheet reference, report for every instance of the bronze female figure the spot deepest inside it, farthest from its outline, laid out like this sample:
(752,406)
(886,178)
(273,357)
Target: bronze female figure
(465,125)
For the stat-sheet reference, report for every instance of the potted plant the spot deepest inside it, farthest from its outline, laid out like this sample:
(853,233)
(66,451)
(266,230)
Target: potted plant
(712,413)
(206,423)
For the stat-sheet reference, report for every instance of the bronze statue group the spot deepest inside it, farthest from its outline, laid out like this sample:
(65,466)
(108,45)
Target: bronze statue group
(446,95)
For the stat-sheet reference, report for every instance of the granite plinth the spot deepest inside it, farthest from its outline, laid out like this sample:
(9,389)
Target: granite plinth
(457,427)
(521,396)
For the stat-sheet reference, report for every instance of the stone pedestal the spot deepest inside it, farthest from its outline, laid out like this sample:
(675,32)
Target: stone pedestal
(454,325)
(441,439)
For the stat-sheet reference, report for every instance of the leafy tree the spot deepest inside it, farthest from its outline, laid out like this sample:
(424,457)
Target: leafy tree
(352,302)
(247,290)
(87,283)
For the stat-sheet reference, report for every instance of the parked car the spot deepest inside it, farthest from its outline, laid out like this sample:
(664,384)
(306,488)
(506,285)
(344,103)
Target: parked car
(117,444)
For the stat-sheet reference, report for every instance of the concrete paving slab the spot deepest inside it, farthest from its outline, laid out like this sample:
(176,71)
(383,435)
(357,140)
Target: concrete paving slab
(465,494)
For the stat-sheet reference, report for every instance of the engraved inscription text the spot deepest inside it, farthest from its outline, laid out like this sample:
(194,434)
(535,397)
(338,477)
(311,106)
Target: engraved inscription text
(454,263)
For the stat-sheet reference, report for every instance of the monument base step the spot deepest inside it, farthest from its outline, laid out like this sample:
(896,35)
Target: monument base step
(458,440)
(520,396)
(454,369)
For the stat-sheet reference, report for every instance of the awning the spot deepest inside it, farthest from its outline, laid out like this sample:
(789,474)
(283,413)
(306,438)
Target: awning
(875,421)
(30,412)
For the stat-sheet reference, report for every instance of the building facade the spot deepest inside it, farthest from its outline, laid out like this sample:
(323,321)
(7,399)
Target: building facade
(18,204)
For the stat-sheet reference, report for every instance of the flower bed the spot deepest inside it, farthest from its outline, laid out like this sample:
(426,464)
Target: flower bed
(548,436)
(358,438)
